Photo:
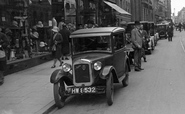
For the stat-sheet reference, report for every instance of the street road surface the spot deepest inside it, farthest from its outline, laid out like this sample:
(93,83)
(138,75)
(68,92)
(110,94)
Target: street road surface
(159,89)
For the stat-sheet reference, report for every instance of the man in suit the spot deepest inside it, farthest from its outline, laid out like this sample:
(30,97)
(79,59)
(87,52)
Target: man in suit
(136,39)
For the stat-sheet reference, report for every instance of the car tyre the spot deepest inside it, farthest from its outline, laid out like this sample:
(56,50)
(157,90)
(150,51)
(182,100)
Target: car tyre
(109,89)
(59,93)
(125,81)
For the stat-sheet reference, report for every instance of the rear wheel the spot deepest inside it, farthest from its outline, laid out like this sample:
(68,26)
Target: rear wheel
(125,81)
(59,93)
(109,89)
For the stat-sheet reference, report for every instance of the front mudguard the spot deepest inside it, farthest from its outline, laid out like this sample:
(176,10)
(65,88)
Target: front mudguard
(106,71)
(58,74)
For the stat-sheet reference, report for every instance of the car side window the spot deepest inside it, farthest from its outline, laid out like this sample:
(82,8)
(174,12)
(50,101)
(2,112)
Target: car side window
(119,41)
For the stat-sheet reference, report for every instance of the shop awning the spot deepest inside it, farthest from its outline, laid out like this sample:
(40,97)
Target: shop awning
(117,8)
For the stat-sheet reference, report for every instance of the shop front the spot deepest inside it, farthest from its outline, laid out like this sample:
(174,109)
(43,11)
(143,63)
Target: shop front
(27,30)
(100,12)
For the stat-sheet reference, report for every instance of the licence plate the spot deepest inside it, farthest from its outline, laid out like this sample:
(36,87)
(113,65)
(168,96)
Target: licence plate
(81,90)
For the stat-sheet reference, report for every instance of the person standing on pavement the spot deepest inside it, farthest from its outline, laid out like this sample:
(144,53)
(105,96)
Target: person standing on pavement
(3,46)
(170,32)
(145,42)
(56,46)
(136,39)
(65,44)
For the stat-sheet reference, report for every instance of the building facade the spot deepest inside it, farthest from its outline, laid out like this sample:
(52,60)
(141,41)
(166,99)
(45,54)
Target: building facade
(168,9)
(136,10)
(147,10)
(162,9)
(181,16)
(142,10)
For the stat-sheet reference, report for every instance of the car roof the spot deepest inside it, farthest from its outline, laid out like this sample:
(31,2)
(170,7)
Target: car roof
(131,23)
(150,21)
(101,31)
(143,21)
(161,24)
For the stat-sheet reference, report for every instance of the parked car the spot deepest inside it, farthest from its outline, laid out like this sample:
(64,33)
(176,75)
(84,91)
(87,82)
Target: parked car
(156,34)
(162,30)
(130,26)
(149,44)
(151,28)
(99,59)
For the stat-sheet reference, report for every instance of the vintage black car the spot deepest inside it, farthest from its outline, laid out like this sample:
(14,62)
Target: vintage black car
(99,59)
(162,30)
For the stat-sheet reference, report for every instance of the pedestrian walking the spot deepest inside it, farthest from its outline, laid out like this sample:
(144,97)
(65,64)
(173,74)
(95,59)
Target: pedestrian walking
(180,27)
(136,38)
(170,32)
(3,46)
(56,46)
(145,39)
(66,43)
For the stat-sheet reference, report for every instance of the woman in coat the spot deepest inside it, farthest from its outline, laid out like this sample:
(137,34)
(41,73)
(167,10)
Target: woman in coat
(65,44)
(56,46)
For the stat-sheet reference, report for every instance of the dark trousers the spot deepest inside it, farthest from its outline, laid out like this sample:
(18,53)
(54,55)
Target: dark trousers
(143,53)
(1,76)
(169,38)
(2,68)
(137,58)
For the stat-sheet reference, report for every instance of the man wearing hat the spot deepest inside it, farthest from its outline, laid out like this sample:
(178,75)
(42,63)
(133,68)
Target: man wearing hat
(136,38)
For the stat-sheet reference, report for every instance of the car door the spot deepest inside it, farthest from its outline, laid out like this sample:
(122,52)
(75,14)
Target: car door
(119,53)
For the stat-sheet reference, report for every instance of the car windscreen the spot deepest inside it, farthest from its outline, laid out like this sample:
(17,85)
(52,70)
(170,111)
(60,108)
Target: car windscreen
(91,44)
(161,27)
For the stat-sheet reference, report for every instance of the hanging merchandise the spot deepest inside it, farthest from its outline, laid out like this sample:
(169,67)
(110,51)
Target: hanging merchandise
(2,54)
(17,43)
(24,43)
(54,22)
(12,54)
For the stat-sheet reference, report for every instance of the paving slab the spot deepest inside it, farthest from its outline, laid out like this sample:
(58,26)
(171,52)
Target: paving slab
(28,91)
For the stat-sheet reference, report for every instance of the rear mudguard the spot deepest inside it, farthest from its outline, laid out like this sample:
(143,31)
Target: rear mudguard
(128,63)
(106,71)
(58,74)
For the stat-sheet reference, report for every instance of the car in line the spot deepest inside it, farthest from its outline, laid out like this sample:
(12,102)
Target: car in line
(162,30)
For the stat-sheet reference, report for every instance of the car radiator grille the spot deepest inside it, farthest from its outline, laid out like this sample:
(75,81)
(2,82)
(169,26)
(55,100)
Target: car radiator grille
(82,73)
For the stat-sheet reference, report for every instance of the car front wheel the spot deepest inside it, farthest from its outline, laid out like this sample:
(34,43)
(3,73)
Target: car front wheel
(59,90)
(109,89)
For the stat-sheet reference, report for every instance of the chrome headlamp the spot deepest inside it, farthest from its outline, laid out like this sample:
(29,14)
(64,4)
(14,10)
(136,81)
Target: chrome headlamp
(66,67)
(97,65)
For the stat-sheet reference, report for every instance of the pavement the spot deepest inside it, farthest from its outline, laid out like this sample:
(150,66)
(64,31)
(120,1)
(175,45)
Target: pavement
(28,91)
